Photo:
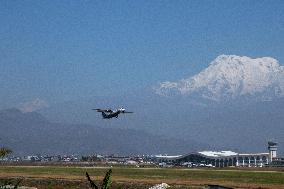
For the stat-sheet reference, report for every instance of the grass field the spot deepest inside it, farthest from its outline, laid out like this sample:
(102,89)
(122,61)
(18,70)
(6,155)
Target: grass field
(143,177)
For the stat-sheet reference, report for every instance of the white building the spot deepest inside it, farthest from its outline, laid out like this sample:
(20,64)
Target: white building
(223,158)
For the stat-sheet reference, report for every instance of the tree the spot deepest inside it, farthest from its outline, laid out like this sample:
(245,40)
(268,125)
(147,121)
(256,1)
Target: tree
(4,152)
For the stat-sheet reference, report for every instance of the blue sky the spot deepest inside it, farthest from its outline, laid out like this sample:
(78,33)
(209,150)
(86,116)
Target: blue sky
(63,50)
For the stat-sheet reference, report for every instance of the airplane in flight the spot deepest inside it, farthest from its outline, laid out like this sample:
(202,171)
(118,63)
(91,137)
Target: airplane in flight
(108,113)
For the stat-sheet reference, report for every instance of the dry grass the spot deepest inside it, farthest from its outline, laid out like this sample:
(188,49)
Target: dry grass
(139,177)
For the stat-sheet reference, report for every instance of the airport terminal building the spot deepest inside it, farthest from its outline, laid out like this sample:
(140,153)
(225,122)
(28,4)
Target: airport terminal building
(224,158)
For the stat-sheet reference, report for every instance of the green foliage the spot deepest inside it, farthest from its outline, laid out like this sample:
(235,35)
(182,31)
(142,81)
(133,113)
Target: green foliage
(4,151)
(106,182)
(17,184)
(4,186)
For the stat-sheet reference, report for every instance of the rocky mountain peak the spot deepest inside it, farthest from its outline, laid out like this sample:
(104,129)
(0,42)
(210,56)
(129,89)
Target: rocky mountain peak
(230,77)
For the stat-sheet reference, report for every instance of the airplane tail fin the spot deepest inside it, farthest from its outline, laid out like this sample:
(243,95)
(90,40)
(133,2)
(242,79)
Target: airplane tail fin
(104,115)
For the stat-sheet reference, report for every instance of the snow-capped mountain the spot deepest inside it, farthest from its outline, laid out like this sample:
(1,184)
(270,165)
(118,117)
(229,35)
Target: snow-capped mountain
(231,77)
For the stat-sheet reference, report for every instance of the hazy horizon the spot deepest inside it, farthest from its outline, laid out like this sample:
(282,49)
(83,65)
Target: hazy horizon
(209,71)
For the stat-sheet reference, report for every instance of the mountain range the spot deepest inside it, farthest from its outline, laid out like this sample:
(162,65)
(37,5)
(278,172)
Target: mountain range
(230,77)
(31,133)
(235,99)
(236,103)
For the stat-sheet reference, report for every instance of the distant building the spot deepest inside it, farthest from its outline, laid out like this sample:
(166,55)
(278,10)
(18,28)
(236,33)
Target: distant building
(225,158)
(277,162)
(274,161)
(272,148)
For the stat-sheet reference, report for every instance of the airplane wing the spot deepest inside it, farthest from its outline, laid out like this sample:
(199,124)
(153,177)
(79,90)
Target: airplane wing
(103,110)
(127,112)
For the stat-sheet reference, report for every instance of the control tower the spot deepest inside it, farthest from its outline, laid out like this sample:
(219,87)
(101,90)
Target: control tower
(272,147)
